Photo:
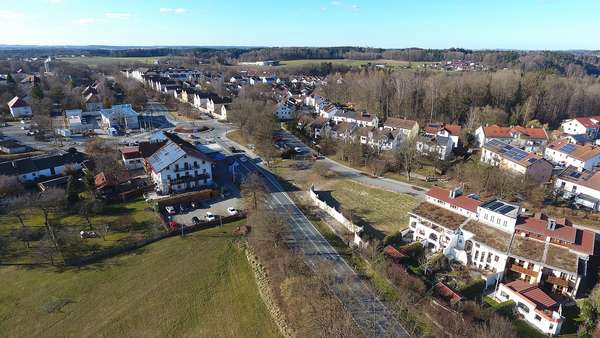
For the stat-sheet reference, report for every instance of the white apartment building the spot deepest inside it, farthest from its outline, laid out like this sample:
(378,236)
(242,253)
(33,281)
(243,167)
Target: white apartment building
(178,166)
(564,153)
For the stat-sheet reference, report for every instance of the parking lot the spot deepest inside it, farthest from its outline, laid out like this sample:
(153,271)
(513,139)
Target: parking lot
(217,207)
(286,139)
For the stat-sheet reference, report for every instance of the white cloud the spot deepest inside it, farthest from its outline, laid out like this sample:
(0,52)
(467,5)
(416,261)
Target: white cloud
(85,21)
(118,15)
(10,15)
(177,10)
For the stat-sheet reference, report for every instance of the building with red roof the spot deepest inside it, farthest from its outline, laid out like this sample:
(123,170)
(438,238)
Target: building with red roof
(589,126)
(452,131)
(565,153)
(529,139)
(536,307)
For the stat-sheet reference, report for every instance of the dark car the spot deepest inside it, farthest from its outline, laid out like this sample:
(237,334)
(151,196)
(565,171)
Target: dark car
(195,220)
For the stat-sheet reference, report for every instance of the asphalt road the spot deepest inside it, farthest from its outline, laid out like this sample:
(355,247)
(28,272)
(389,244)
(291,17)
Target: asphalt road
(369,313)
(361,177)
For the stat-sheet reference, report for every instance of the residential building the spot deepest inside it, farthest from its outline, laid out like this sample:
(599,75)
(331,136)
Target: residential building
(529,139)
(408,128)
(562,152)
(589,126)
(507,157)
(10,146)
(177,166)
(363,119)
(284,111)
(436,146)
(132,158)
(451,131)
(120,117)
(536,307)
(501,242)
(19,108)
(32,169)
(583,186)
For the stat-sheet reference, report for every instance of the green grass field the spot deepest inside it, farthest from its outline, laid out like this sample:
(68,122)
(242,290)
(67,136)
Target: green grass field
(129,221)
(350,63)
(104,60)
(198,286)
(384,210)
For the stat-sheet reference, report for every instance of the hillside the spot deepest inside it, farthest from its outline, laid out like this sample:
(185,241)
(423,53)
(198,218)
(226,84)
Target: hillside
(198,286)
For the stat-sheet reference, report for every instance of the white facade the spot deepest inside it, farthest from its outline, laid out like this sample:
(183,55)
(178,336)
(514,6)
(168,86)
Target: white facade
(548,324)
(18,112)
(178,175)
(284,112)
(120,115)
(558,157)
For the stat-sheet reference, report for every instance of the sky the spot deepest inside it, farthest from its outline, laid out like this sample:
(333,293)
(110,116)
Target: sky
(482,24)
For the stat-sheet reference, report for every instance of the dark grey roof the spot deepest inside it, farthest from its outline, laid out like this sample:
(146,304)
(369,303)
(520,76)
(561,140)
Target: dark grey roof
(37,163)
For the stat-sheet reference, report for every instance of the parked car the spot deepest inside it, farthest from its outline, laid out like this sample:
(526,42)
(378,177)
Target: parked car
(298,149)
(232,211)
(195,205)
(174,225)
(170,210)
(85,234)
(196,220)
(210,216)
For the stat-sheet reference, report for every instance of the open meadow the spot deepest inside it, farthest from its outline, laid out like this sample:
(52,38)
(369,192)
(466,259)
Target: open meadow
(197,286)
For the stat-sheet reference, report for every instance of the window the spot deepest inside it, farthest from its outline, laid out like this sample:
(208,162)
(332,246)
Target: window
(492,218)
(203,162)
(538,318)
(498,220)
(476,255)
(485,216)
(496,258)
(523,307)
(505,223)
(176,167)
(503,294)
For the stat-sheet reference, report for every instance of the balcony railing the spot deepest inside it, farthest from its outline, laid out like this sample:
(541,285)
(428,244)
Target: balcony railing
(559,281)
(187,179)
(520,269)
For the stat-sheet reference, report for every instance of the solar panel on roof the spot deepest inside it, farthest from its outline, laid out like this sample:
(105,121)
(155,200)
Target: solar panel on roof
(575,174)
(506,209)
(568,148)
(495,205)
(532,160)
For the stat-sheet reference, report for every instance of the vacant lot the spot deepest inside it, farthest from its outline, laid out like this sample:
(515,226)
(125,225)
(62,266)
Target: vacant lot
(198,286)
(384,210)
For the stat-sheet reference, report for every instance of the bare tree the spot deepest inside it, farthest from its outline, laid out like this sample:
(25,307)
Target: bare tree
(254,191)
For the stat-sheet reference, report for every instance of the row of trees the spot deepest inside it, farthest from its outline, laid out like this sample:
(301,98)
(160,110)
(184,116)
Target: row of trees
(503,97)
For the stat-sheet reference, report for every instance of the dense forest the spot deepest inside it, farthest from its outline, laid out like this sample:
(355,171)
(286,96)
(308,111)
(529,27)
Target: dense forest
(507,97)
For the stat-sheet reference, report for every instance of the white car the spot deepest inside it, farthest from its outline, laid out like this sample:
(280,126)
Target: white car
(210,216)
(170,210)
(232,211)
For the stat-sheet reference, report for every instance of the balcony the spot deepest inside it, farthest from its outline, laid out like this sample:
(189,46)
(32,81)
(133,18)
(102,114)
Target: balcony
(187,179)
(520,269)
(559,281)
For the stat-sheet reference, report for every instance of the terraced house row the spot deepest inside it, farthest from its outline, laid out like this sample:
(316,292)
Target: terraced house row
(534,259)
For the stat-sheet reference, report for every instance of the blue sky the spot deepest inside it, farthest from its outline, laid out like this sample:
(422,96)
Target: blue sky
(513,24)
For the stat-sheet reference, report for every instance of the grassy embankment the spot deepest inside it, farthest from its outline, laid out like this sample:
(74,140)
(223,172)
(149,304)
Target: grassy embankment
(201,285)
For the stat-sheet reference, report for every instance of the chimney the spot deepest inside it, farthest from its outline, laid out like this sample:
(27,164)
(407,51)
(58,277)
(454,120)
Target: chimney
(551,224)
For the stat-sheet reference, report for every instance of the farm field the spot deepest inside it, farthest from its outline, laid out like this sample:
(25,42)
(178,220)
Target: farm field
(347,62)
(197,286)
(105,60)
